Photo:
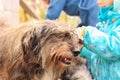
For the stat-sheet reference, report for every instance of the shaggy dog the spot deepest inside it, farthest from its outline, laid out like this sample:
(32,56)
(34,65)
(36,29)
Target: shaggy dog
(36,51)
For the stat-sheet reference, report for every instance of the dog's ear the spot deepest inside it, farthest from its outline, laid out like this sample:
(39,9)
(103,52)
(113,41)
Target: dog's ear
(31,45)
(31,48)
(31,40)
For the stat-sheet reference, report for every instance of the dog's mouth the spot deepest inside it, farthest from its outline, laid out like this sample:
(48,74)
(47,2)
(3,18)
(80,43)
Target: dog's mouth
(65,60)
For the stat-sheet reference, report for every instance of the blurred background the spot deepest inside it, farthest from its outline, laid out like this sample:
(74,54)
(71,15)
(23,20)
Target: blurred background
(19,11)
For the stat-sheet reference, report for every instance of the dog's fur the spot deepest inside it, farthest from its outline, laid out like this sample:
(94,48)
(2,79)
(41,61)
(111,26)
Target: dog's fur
(77,70)
(36,51)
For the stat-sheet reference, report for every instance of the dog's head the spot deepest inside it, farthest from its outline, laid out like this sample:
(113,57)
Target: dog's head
(50,45)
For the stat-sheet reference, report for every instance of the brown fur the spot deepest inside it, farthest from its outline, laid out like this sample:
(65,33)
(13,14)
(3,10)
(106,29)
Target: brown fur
(4,24)
(33,51)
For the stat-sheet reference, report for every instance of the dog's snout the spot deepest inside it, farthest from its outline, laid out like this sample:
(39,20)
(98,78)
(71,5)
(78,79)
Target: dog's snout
(76,53)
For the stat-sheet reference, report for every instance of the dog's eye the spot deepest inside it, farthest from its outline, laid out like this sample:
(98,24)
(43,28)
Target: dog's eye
(80,41)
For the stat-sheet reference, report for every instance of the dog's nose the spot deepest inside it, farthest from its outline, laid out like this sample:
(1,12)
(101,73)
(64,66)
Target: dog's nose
(75,53)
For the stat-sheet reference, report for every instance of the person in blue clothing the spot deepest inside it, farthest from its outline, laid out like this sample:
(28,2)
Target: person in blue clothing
(87,10)
(101,44)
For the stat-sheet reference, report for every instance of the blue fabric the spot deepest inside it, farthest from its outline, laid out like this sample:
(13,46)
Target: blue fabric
(87,10)
(102,46)
(117,5)
(104,12)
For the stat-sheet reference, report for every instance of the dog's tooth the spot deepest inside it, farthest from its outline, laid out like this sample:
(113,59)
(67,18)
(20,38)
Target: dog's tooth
(64,59)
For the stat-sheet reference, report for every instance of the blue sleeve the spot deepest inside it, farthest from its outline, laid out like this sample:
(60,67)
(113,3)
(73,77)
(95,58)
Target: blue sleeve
(85,53)
(105,45)
(55,8)
(89,12)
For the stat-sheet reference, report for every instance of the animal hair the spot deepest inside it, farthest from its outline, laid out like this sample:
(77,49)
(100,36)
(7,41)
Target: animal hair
(36,51)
